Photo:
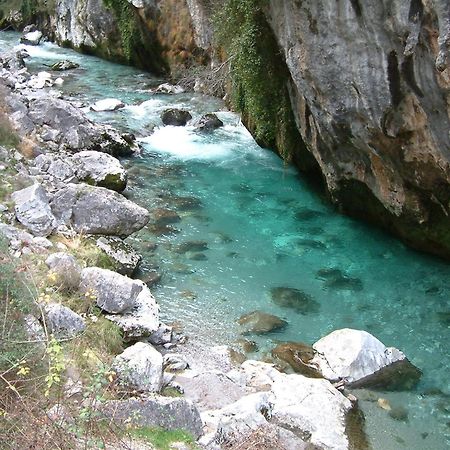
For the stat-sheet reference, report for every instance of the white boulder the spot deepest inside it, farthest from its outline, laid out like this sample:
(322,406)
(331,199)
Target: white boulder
(107,104)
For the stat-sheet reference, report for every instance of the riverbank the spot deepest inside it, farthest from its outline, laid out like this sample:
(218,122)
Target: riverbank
(204,304)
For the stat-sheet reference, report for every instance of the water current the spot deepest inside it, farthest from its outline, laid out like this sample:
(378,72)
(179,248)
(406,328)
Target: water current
(257,225)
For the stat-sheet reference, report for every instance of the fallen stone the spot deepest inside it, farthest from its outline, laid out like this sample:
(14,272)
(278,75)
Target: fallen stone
(96,210)
(125,258)
(259,322)
(33,210)
(62,321)
(65,270)
(155,411)
(107,104)
(361,360)
(64,65)
(140,367)
(175,117)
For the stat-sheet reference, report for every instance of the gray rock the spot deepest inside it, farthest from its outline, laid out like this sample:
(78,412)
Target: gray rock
(163,335)
(126,259)
(140,367)
(33,210)
(66,270)
(361,360)
(96,210)
(175,117)
(107,104)
(100,169)
(113,292)
(32,38)
(156,411)
(209,122)
(64,65)
(174,362)
(62,321)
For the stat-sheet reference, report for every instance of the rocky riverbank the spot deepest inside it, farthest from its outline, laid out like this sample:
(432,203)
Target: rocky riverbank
(70,184)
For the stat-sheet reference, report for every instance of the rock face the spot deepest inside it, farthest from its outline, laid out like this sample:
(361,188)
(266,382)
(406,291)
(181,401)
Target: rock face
(96,210)
(33,210)
(361,360)
(140,367)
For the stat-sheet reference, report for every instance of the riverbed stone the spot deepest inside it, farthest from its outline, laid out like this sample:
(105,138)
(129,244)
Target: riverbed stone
(175,117)
(100,169)
(125,258)
(96,210)
(33,211)
(140,367)
(209,122)
(65,270)
(259,322)
(164,216)
(155,411)
(298,355)
(295,299)
(361,360)
(64,65)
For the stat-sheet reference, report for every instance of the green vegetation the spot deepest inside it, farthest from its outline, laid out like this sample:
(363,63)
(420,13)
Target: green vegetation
(162,439)
(259,75)
(8,136)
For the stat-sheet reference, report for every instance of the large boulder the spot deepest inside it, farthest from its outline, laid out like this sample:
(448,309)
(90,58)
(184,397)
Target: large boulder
(125,258)
(175,117)
(361,360)
(100,169)
(96,210)
(140,367)
(129,302)
(64,270)
(32,38)
(62,321)
(75,131)
(33,210)
(209,122)
(155,412)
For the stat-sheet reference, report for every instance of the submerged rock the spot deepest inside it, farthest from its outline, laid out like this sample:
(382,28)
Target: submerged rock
(335,279)
(294,299)
(96,210)
(259,322)
(140,367)
(361,360)
(299,357)
(175,117)
(163,217)
(33,211)
(191,246)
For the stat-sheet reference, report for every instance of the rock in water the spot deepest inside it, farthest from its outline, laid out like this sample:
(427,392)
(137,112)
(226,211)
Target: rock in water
(361,360)
(259,322)
(96,210)
(107,104)
(31,38)
(140,367)
(176,117)
(298,356)
(209,122)
(294,299)
(64,65)
(33,210)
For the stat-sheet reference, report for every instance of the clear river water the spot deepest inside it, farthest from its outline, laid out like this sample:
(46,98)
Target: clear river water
(263,227)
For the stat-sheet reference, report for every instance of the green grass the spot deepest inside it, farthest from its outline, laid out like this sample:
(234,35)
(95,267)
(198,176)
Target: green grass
(162,439)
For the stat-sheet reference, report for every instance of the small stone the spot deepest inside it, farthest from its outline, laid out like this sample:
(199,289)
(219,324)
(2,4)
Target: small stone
(294,299)
(384,404)
(259,322)
(107,104)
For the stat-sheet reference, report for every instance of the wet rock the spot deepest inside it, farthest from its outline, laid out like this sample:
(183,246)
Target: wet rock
(294,299)
(32,38)
(174,362)
(191,246)
(163,216)
(65,270)
(125,258)
(166,88)
(335,279)
(259,322)
(197,256)
(247,345)
(209,122)
(140,367)
(155,411)
(33,211)
(40,80)
(175,117)
(96,210)
(107,104)
(361,360)
(298,356)
(399,413)
(163,335)
(151,278)
(100,169)
(64,65)
(181,203)
(62,321)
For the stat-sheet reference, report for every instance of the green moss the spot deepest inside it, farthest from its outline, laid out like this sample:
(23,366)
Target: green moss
(162,439)
(258,75)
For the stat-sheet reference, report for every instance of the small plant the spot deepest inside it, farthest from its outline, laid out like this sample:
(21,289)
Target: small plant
(162,439)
